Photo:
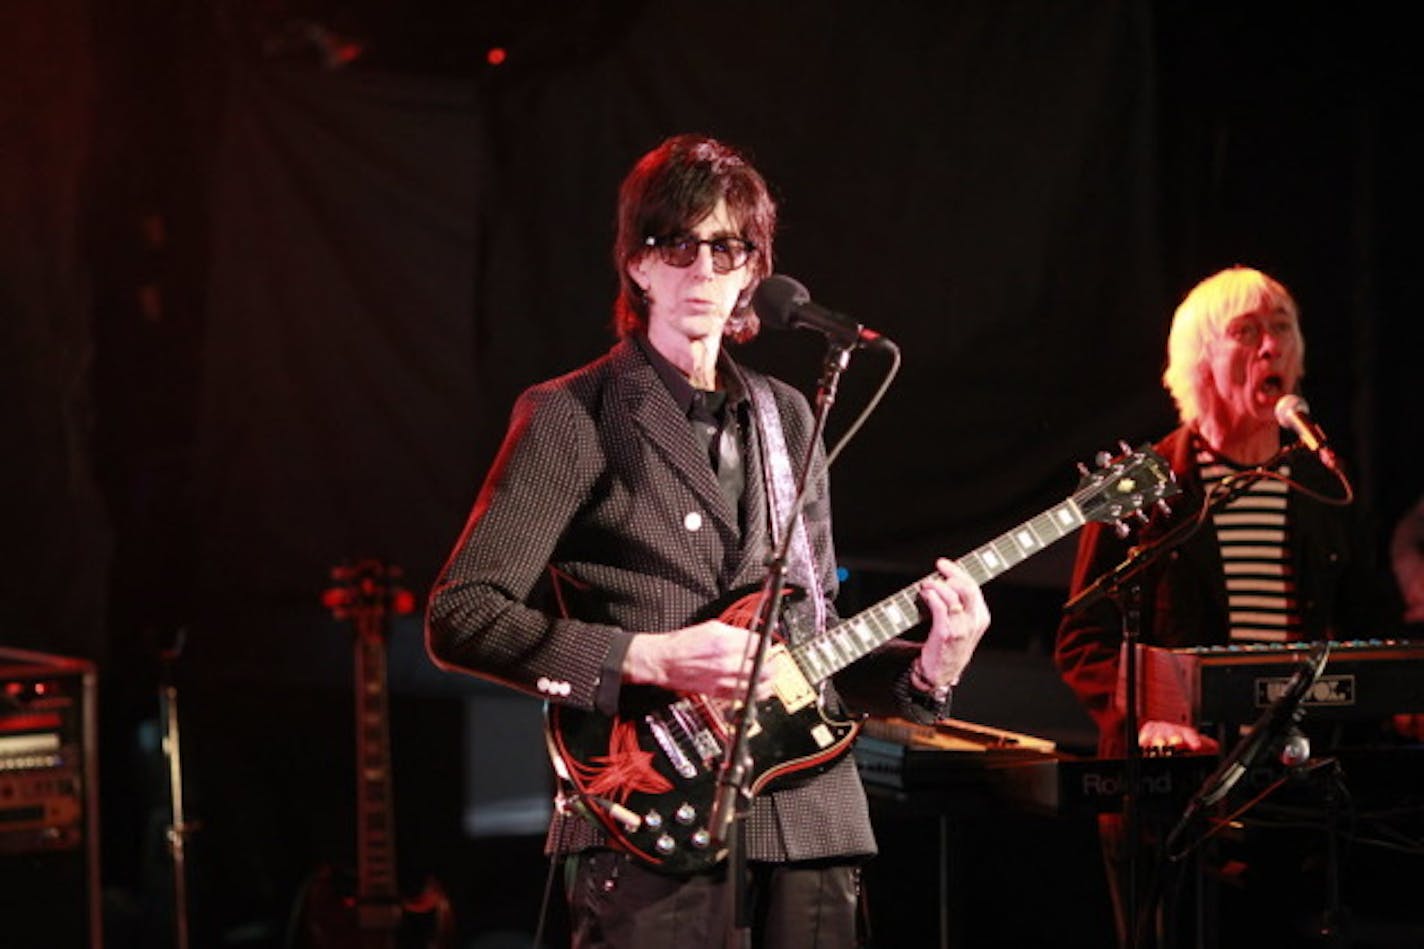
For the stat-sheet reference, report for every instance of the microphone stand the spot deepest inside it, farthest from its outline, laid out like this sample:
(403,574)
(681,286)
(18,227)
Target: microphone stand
(179,828)
(1278,718)
(1276,724)
(1122,585)
(733,796)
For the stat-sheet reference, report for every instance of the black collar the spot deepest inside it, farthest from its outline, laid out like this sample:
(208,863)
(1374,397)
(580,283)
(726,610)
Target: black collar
(679,386)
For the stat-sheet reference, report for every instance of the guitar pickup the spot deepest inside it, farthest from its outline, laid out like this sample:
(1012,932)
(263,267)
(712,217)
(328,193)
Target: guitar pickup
(789,685)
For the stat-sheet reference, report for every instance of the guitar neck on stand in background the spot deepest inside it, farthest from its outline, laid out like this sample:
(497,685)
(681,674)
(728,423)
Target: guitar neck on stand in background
(368,911)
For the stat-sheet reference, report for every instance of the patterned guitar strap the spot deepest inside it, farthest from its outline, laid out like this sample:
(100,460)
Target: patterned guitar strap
(781,496)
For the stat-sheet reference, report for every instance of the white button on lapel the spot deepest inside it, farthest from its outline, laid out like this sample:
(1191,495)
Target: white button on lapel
(693,521)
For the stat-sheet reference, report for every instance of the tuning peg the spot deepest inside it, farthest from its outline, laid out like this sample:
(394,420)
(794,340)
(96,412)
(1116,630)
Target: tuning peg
(338,600)
(1121,529)
(1124,447)
(1163,507)
(1102,458)
(1141,516)
(1083,470)
(403,602)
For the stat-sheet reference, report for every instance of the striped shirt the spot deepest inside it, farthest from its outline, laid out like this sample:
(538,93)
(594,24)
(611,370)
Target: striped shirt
(1254,534)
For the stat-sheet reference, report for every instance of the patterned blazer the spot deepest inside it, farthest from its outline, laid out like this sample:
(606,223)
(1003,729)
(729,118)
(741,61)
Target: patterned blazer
(601,517)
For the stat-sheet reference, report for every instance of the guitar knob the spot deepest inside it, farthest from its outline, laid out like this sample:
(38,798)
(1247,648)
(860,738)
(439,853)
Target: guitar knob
(701,839)
(665,844)
(653,820)
(685,814)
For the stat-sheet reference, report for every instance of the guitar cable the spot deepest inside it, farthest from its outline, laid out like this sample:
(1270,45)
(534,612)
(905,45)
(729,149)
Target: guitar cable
(569,802)
(556,856)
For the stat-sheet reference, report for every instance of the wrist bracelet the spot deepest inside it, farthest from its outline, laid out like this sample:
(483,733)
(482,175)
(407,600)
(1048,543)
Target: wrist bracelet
(923,683)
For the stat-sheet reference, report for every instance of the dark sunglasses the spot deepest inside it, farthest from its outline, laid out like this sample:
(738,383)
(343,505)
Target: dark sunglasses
(680,250)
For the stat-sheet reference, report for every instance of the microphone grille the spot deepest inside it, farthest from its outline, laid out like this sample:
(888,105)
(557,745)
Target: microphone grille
(776,297)
(1289,407)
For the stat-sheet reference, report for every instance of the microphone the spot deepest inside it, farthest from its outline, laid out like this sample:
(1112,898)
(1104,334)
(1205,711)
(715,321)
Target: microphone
(1295,750)
(1293,412)
(783,303)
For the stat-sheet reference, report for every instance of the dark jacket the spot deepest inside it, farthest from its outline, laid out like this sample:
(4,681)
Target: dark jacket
(601,484)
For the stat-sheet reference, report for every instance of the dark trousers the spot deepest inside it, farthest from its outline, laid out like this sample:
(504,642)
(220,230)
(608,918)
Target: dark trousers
(616,903)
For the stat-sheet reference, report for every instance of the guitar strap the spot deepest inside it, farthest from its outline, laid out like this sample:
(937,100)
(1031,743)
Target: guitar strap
(781,495)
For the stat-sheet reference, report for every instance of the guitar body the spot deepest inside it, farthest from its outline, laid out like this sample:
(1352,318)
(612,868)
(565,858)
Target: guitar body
(649,774)
(331,917)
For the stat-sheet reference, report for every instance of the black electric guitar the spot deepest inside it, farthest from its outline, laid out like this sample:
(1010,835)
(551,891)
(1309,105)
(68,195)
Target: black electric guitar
(368,911)
(649,774)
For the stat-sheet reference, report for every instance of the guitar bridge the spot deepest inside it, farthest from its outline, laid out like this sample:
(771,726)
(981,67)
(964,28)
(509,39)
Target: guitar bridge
(691,717)
(680,762)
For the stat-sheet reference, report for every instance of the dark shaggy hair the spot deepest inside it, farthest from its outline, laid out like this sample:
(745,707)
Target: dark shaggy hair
(668,191)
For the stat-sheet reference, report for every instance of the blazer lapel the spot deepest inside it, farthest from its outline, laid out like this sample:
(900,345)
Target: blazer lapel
(655,418)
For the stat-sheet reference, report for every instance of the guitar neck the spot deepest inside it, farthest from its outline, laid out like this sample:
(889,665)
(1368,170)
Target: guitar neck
(375,824)
(827,653)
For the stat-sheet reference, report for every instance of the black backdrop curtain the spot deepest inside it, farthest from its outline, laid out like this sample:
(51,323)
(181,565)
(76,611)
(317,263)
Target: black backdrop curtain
(363,265)
(57,534)
(341,400)
(395,258)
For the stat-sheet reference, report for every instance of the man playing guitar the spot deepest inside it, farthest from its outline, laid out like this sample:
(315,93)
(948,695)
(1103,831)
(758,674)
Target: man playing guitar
(628,498)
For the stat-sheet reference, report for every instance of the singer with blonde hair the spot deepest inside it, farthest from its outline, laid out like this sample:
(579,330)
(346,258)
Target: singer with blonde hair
(1286,560)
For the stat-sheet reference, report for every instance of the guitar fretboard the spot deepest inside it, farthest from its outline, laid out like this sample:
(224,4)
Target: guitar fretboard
(375,834)
(826,654)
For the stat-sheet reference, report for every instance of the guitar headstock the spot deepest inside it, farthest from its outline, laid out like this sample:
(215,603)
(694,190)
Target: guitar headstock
(367,592)
(1125,486)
